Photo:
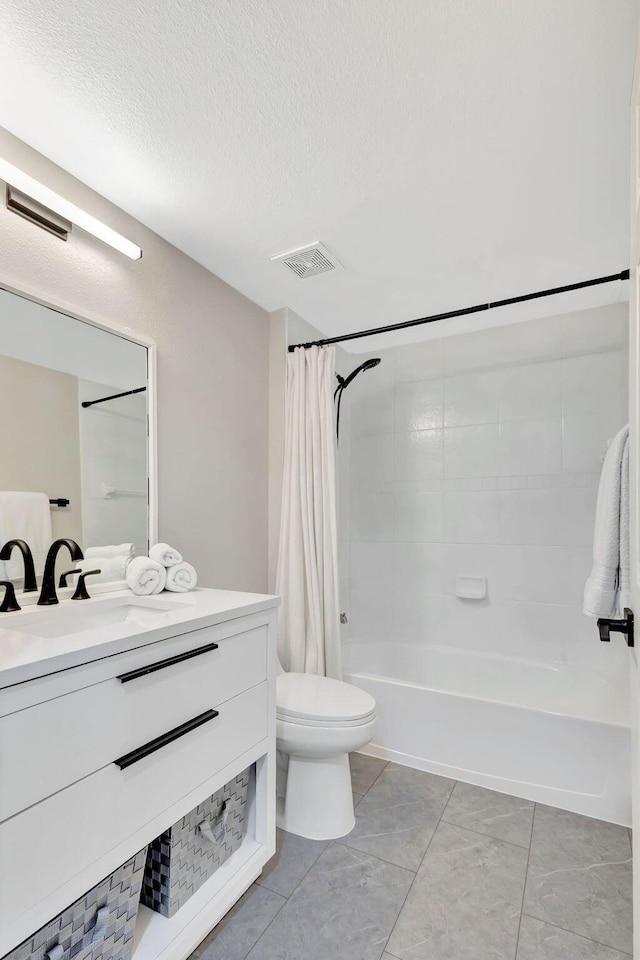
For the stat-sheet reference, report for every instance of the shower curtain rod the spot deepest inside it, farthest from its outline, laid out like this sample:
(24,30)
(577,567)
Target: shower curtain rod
(623,275)
(114,396)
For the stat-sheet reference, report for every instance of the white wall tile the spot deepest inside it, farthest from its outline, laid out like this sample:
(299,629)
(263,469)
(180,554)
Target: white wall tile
(418,516)
(417,455)
(372,564)
(533,573)
(471,451)
(418,567)
(578,515)
(531,391)
(418,405)
(531,516)
(372,458)
(371,514)
(369,414)
(472,398)
(344,573)
(585,439)
(471,517)
(577,567)
(420,361)
(370,615)
(536,630)
(592,384)
(530,447)
(592,331)
(422,618)
(517,343)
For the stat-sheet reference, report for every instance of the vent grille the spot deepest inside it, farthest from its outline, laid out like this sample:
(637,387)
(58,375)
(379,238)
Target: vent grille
(308,261)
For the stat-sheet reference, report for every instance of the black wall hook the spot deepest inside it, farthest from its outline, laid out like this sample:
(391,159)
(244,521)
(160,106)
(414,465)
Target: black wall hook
(625,626)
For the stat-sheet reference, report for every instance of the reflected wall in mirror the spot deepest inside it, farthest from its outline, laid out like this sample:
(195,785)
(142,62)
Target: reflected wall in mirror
(95,456)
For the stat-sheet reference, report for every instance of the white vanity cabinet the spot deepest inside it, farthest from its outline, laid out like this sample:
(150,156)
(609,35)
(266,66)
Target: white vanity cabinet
(100,757)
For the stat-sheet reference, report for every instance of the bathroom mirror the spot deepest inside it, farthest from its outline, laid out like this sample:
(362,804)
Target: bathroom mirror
(74,426)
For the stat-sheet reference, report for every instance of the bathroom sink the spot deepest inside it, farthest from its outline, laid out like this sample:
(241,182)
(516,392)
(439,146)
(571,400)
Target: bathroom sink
(140,612)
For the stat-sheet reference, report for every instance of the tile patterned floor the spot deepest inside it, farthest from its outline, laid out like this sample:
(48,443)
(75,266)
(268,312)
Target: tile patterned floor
(438,870)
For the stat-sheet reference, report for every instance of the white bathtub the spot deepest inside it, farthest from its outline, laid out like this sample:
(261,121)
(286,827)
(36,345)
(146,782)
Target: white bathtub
(554,733)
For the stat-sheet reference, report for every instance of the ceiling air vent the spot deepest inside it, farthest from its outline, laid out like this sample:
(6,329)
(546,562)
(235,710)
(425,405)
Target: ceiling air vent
(308,261)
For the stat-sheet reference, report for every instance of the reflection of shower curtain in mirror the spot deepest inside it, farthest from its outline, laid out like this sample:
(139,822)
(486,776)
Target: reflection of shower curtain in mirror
(307,575)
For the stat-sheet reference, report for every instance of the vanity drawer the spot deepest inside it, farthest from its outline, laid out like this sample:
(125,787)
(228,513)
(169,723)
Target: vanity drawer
(46,747)
(58,838)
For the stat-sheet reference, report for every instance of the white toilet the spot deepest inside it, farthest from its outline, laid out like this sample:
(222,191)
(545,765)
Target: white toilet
(319,722)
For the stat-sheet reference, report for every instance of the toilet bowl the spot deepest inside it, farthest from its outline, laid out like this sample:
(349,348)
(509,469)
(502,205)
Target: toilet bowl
(319,721)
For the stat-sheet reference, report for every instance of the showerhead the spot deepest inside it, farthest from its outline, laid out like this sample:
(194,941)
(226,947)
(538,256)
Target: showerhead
(371,363)
(367,365)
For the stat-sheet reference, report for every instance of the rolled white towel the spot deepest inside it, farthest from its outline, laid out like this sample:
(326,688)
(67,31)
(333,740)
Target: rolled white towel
(165,555)
(111,568)
(181,578)
(146,576)
(110,550)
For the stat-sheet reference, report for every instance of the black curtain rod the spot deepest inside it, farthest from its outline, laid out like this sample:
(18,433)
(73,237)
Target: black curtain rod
(623,275)
(115,396)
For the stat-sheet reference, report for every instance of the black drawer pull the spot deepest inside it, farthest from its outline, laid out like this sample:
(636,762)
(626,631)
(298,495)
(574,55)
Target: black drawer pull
(169,662)
(141,752)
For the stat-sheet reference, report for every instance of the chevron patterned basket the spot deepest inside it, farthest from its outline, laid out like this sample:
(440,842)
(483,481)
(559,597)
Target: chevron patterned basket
(99,926)
(181,859)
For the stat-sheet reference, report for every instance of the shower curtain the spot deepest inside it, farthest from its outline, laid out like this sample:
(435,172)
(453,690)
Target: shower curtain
(307,572)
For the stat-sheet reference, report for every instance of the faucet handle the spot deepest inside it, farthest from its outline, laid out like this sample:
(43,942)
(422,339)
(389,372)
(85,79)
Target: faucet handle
(9,603)
(63,577)
(81,590)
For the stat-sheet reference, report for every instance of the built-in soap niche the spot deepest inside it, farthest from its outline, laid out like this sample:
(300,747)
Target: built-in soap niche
(470,587)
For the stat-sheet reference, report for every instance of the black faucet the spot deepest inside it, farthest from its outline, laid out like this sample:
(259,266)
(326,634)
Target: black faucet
(30,583)
(81,590)
(9,604)
(48,594)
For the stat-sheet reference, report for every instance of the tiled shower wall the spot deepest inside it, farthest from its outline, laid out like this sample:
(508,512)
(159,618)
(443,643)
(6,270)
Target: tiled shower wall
(480,455)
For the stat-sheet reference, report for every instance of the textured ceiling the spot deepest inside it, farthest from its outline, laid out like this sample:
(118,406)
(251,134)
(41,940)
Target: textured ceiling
(448,152)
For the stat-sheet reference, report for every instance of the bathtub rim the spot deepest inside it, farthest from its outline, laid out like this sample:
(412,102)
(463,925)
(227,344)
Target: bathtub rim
(554,666)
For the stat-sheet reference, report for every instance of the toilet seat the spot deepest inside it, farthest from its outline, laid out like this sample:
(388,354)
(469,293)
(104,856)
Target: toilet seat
(308,700)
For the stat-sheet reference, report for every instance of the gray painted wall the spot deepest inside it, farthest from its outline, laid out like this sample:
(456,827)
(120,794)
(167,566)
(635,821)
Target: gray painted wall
(212,368)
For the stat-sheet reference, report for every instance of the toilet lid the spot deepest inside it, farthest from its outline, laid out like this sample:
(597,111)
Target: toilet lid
(303,696)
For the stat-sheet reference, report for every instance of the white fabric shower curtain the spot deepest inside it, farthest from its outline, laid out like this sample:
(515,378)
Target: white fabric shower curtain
(307,573)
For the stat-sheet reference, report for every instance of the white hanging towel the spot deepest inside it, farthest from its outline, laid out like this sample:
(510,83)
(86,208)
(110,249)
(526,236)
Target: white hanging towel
(606,592)
(24,516)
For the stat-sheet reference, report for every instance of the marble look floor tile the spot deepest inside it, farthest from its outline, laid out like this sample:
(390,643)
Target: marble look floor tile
(357,797)
(293,858)
(344,908)
(494,814)
(364,771)
(236,933)
(465,902)
(541,941)
(398,784)
(579,877)
(397,832)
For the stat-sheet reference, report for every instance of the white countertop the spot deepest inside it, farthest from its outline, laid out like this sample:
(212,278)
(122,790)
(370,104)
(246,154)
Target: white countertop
(25,657)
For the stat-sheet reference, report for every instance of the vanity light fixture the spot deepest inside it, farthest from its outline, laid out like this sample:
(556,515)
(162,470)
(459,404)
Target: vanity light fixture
(37,203)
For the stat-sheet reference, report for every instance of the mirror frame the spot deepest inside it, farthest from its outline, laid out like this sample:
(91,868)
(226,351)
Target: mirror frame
(152,406)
